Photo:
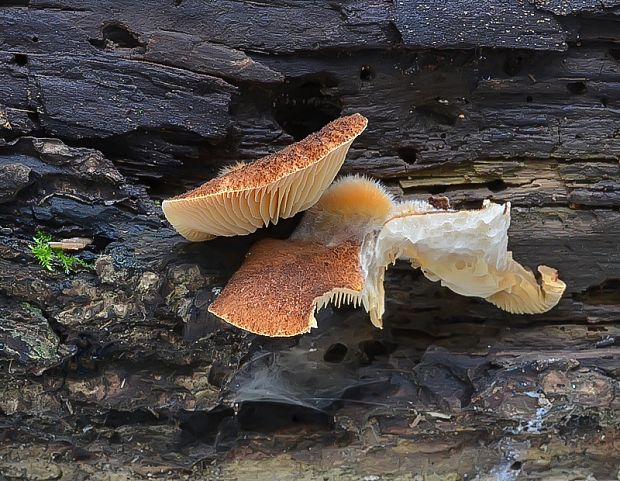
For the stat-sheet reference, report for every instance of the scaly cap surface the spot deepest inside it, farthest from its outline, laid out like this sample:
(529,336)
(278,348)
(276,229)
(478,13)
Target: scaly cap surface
(246,197)
(282,283)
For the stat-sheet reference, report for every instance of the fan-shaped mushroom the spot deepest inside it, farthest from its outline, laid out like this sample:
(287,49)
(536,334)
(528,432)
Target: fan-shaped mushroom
(248,196)
(282,284)
(467,252)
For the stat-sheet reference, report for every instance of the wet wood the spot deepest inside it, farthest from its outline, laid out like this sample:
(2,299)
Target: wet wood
(116,371)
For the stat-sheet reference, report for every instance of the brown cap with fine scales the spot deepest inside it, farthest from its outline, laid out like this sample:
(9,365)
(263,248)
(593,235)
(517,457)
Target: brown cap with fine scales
(279,185)
(282,283)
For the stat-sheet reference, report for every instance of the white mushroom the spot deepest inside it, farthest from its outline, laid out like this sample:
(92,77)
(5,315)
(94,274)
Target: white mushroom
(467,251)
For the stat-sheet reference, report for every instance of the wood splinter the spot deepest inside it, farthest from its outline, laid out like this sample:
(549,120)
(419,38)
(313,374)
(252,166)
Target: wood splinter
(71,244)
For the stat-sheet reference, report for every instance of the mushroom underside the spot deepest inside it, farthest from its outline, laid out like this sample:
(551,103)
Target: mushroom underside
(243,212)
(245,197)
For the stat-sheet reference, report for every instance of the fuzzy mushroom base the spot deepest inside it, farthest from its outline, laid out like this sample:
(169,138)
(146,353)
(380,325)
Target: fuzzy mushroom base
(342,247)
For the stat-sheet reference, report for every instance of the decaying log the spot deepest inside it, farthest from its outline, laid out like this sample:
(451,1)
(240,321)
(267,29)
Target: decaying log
(116,371)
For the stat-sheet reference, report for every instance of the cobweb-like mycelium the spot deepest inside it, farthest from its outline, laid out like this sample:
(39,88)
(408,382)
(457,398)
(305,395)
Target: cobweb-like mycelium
(343,245)
(245,197)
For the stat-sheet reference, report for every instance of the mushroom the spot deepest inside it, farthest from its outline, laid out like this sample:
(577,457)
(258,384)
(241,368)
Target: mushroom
(467,252)
(352,207)
(282,283)
(344,243)
(248,196)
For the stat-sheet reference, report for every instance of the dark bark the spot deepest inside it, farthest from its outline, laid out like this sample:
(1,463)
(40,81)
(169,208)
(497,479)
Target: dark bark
(108,107)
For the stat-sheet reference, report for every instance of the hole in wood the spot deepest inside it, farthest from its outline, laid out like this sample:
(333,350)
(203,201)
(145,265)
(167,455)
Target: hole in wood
(513,64)
(576,88)
(516,465)
(116,35)
(496,185)
(604,101)
(305,105)
(468,205)
(203,424)
(268,417)
(408,154)
(579,425)
(607,292)
(335,353)
(20,59)
(529,99)
(34,117)
(117,418)
(437,189)
(367,73)
(615,53)
(373,348)
(440,112)
(35,39)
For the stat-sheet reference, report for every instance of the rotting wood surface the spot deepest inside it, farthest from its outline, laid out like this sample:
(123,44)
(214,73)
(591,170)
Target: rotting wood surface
(119,373)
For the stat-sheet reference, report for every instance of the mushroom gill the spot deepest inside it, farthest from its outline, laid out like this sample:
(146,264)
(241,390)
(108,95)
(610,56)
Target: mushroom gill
(524,294)
(248,196)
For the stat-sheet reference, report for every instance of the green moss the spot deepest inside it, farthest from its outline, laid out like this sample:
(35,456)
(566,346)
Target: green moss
(53,258)
(42,251)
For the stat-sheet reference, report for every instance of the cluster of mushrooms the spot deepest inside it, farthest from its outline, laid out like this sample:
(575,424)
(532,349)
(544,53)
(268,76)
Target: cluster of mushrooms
(352,231)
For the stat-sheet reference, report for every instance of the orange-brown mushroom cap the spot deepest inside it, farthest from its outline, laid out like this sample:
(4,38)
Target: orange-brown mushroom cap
(276,186)
(282,284)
